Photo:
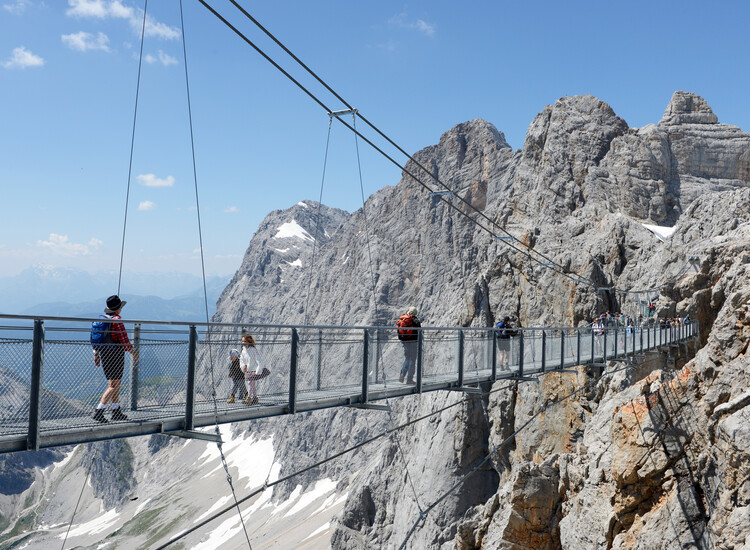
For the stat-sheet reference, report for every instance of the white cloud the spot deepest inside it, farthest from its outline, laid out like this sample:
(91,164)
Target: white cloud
(102,9)
(118,10)
(83,41)
(99,9)
(60,244)
(87,8)
(155,28)
(163,58)
(150,180)
(22,58)
(401,20)
(166,59)
(145,206)
(231,210)
(17,7)
(426,28)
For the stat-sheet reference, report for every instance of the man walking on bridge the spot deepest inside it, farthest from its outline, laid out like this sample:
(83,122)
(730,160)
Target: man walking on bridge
(408,336)
(110,341)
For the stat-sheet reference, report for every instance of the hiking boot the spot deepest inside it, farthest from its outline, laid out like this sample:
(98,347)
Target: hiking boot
(246,400)
(411,381)
(254,400)
(401,377)
(231,399)
(99,416)
(117,414)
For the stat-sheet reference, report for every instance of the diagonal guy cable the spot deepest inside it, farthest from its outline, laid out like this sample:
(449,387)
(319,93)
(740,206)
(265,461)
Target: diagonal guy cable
(132,144)
(205,289)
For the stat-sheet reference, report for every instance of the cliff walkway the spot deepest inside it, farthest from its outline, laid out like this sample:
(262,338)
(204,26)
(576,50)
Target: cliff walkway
(49,384)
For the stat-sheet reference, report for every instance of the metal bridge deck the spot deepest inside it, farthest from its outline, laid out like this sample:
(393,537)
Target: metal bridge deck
(49,385)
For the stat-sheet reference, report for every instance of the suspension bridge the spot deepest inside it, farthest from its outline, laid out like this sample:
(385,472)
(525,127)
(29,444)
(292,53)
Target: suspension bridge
(49,384)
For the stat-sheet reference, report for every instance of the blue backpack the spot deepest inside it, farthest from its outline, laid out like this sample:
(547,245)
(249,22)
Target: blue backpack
(101,334)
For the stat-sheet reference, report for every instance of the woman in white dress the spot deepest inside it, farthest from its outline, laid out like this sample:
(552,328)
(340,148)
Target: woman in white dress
(251,364)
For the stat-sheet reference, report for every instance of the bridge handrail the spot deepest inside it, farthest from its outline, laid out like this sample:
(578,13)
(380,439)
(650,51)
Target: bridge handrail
(426,328)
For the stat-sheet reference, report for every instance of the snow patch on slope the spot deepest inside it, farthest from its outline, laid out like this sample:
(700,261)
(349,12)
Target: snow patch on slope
(662,233)
(292,229)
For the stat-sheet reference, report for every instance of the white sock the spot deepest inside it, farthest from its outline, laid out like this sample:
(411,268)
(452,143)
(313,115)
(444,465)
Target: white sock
(115,406)
(101,406)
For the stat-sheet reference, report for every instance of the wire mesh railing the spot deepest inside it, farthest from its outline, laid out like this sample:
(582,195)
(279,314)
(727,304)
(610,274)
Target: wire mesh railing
(49,382)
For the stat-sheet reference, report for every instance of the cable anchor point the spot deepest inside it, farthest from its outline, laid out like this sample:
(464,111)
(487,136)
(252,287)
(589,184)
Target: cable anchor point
(342,112)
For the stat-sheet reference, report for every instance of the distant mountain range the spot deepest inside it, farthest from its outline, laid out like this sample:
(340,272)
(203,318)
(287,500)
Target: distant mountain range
(77,293)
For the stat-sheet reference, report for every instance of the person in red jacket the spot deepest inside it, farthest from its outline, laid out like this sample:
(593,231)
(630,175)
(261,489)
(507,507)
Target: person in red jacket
(409,338)
(112,359)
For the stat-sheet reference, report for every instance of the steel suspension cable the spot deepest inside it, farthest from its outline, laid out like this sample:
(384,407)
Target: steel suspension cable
(364,215)
(205,288)
(375,304)
(548,261)
(124,227)
(132,144)
(85,480)
(528,252)
(317,221)
(375,128)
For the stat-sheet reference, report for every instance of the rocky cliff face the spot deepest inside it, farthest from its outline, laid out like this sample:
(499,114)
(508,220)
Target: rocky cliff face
(643,456)
(629,461)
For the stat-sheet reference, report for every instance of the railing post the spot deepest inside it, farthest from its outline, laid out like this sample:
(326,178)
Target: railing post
(615,354)
(365,357)
(562,349)
(375,354)
(648,339)
(37,361)
(190,401)
(578,346)
(640,331)
(494,355)
(487,356)
(293,373)
(319,360)
(593,346)
(544,348)
(604,351)
(460,358)
(420,341)
(520,353)
(633,330)
(135,367)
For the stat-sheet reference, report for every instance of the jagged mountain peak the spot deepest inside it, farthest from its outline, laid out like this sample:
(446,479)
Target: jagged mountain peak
(688,108)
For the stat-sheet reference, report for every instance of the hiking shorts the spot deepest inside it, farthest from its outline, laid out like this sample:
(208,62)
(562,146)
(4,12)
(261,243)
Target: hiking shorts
(113,362)
(503,344)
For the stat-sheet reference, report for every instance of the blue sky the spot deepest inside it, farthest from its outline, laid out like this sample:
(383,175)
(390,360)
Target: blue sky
(68,73)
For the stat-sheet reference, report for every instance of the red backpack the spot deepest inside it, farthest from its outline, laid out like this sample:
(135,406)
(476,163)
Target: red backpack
(405,320)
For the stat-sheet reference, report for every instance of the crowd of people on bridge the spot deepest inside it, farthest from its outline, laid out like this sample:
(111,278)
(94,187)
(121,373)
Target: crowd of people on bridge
(608,320)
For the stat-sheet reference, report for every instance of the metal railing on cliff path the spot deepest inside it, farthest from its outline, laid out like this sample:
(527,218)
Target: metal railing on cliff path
(49,384)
